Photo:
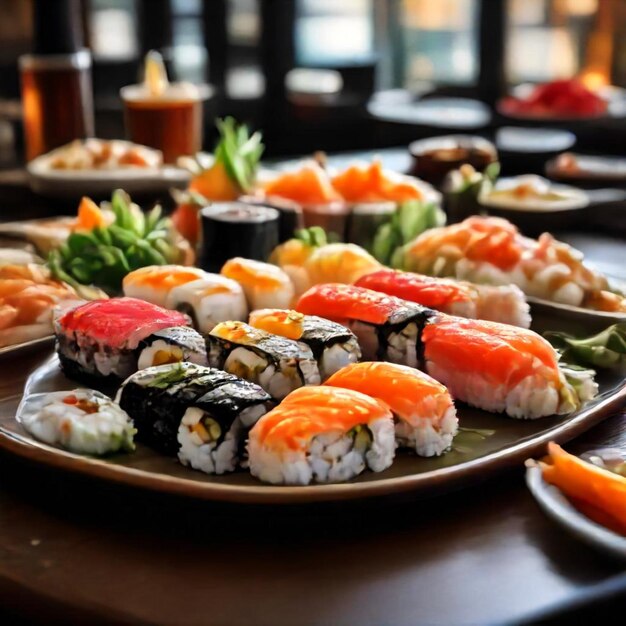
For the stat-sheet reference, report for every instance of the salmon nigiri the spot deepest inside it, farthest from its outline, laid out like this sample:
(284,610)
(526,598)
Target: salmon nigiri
(264,284)
(427,420)
(500,368)
(321,434)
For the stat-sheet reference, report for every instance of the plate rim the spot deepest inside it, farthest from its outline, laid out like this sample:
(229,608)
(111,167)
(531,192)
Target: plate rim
(442,479)
(553,502)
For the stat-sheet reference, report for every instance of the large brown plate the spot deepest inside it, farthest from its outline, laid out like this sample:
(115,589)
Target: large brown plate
(488,443)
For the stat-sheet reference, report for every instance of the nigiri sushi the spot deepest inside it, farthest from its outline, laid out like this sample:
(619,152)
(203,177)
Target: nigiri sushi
(333,345)
(201,414)
(321,434)
(153,283)
(207,298)
(279,365)
(500,368)
(425,413)
(388,329)
(496,367)
(209,301)
(492,250)
(505,303)
(104,339)
(265,285)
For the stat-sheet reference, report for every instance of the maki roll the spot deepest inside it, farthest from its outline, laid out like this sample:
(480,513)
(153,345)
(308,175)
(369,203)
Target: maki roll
(321,434)
(279,365)
(172,345)
(209,301)
(102,340)
(388,329)
(213,431)
(504,303)
(426,419)
(265,285)
(333,345)
(200,414)
(82,421)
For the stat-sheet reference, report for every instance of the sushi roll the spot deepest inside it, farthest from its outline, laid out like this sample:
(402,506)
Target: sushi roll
(279,365)
(425,415)
(102,340)
(496,367)
(333,345)
(387,328)
(201,414)
(505,303)
(265,285)
(209,301)
(154,282)
(172,345)
(321,434)
(83,421)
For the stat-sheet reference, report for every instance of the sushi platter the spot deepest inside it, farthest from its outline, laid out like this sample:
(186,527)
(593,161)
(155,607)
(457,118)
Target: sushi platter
(486,444)
(292,366)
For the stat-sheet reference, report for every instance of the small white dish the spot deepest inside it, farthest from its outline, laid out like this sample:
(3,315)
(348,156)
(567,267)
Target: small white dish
(66,183)
(556,506)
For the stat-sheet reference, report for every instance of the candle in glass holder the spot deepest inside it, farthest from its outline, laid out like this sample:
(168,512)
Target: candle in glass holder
(163,115)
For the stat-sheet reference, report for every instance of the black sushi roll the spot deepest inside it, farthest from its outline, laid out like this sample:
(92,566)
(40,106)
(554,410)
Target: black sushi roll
(290,218)
(214,429)
(278,364)
(233,229)
(172,345)
(177,408)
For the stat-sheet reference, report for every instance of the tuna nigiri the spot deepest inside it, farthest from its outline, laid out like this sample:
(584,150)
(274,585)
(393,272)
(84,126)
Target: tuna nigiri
(321,434)
(505,303)
(426,417)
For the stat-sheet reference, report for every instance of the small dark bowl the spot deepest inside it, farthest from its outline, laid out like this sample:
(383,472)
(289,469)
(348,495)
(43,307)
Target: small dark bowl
(526,150)
(435,157)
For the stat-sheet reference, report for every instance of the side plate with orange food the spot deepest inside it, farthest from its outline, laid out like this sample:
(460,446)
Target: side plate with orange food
(587,500)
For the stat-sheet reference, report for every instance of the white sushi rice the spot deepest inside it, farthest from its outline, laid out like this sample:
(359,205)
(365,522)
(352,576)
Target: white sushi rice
(539,284)
(168,353)
(208,456)
(402,346)
(278,383)
(337,357)
(426,437)
(104,429)
(210,308)
(329,457)
(504,303)
(533,397)
(135,287)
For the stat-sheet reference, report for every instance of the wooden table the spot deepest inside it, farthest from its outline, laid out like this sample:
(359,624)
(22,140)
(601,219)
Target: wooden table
(85,552)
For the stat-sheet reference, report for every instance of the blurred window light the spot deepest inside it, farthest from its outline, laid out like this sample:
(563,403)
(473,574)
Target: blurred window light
(112,27)
(330,32)
(581,8)
(541,54)
(243,22)
(527,12)
(439,41)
